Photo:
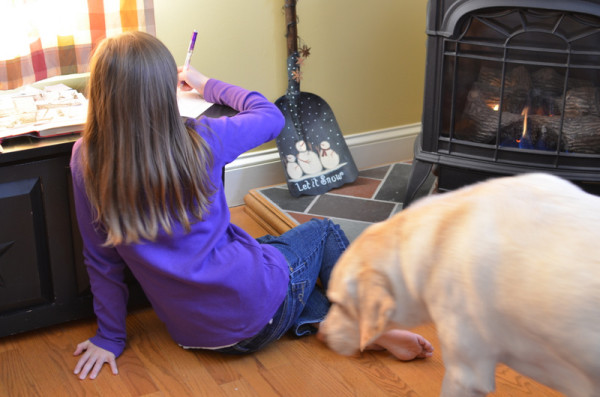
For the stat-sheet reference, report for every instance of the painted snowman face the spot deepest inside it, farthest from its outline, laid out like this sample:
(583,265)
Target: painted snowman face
(325,145)
(290,158)
(301,146)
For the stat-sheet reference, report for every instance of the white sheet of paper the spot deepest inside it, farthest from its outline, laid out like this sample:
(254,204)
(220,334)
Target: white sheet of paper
(191,104)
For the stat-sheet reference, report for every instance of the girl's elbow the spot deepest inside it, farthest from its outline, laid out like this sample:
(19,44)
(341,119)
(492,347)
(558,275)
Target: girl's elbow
(276,120)
(280,121)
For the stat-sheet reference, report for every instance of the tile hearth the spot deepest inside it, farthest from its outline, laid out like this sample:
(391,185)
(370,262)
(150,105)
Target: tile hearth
(375,196)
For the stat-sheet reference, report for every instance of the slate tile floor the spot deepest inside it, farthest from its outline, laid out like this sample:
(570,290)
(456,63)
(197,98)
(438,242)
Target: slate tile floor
(373,197)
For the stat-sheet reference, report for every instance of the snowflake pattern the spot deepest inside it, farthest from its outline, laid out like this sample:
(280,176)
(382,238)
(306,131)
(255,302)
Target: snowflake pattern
(309,118)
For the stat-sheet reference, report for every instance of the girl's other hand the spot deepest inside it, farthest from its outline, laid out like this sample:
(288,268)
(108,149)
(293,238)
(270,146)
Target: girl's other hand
(92,360)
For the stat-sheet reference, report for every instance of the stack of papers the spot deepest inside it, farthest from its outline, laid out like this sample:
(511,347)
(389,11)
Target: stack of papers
(54,110)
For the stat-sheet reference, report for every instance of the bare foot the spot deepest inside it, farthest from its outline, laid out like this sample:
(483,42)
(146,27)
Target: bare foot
(404,345)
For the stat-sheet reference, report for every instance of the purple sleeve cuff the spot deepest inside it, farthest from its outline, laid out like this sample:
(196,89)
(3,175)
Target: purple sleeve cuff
(115,347)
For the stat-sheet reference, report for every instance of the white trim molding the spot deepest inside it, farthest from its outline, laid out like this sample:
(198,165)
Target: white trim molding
(369,149)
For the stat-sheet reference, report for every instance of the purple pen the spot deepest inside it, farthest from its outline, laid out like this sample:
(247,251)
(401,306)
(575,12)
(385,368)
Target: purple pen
(188,57)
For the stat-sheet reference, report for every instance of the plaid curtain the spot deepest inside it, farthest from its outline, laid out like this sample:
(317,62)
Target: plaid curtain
(46,38)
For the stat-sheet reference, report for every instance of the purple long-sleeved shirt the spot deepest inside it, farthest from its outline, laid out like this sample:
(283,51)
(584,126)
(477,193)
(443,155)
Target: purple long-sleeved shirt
(213,286)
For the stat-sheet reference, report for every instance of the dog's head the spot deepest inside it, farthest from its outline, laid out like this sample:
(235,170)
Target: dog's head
(359,313)
(372,290)
(368,292)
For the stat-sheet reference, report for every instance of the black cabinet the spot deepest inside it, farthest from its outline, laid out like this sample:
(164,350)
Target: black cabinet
(25,258)
(42,277)
(43,280)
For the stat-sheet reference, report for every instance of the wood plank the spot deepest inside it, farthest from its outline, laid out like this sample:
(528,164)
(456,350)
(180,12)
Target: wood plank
(175,371)
(15,378)
(240,217)
(256,375)
(267,214)
(366,375)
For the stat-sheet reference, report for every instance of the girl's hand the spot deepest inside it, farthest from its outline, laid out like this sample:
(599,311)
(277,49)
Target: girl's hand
(92,360)
(190,79)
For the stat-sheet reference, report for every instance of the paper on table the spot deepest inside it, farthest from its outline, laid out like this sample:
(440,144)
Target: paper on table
(191,104)
(54,110)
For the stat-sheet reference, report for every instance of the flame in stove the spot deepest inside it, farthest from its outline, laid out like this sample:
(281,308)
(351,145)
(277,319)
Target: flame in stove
(492,105)
(524,113)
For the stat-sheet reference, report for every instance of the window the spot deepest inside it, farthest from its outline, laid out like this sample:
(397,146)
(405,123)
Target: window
(41,39)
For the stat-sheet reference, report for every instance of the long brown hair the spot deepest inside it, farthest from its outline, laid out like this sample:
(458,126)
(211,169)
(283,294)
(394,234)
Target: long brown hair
(143,168)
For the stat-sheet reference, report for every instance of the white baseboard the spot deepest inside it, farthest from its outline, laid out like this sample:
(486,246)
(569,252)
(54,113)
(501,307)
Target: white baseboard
(369,149)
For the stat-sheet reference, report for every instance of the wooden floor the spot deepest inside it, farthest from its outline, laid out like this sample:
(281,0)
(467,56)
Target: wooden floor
(41,363)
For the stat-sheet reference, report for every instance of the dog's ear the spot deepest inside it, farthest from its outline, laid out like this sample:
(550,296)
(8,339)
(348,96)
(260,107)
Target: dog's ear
(375,306)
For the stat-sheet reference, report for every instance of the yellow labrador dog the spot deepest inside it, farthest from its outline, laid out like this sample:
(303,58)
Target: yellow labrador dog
(508,270)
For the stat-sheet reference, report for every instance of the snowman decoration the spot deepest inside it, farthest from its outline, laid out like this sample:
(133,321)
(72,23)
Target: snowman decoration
(292,167)
(307,159)
(329,158)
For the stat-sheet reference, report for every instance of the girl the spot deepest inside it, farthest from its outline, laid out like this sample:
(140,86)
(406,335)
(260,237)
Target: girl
(149,196)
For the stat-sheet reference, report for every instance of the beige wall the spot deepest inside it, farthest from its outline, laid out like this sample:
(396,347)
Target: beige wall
(367,57)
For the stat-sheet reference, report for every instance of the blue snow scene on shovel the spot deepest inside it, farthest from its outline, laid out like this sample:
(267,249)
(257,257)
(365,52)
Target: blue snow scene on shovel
(314,153)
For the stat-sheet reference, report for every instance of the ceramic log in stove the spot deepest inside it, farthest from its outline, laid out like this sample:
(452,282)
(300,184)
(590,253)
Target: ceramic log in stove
(511,86)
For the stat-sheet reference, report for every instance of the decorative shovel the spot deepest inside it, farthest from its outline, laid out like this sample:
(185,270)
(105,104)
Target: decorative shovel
(312,148)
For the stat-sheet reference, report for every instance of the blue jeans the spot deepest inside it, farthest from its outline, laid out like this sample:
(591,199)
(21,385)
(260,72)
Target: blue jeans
(311,250)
